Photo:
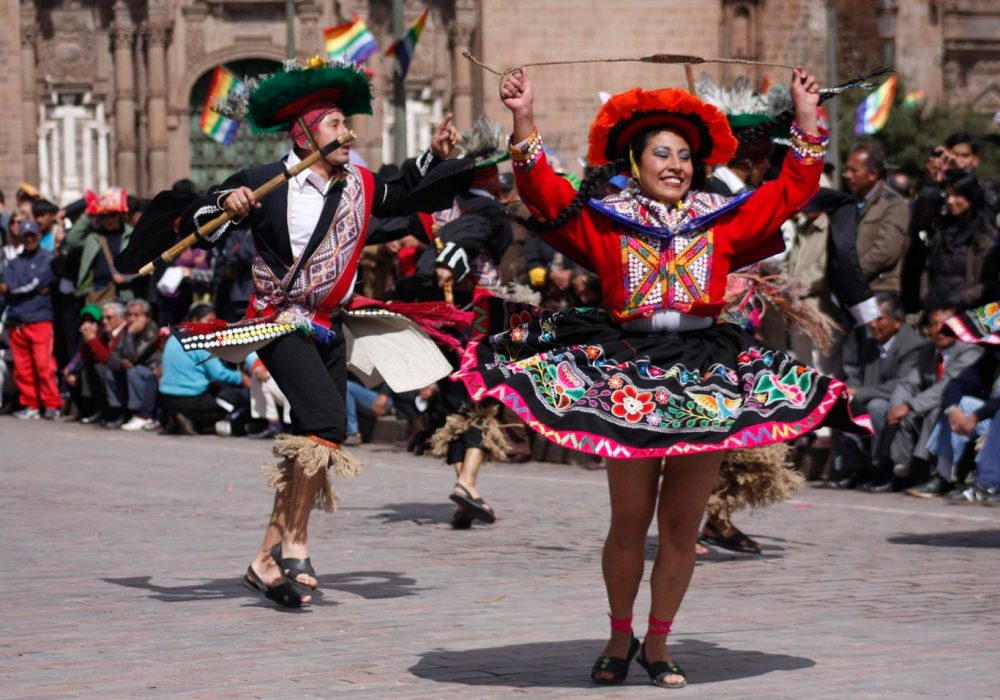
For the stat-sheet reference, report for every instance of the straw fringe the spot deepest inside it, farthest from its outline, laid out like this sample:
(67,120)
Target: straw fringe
(753,478)
(313,456)
(495,443)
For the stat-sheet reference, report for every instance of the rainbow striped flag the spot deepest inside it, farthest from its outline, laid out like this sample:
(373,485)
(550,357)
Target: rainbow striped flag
(914,98)
(404,47)
(873,112)
(214,125)
(352,40)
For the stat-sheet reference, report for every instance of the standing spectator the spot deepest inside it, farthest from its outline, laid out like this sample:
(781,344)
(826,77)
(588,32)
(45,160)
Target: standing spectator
(962,275)
(4,219)
(26,194)
(12,244)
(132,370)
(883,221)
(49,220)
(26,285)
(915,404)
(107,234)
(925,211)
(963,154)
(232,279)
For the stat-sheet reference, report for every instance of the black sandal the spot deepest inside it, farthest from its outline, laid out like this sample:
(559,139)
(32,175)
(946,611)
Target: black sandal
(615,665)
(284,594)
(476,507)
(737,542)
(659,670)
(462,520)
(291,568)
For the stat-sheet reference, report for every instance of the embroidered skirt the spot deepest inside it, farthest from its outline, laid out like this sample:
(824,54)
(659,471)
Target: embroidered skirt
(578,379)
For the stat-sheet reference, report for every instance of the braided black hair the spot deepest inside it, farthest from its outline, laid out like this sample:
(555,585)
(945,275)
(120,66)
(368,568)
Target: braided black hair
(590,184)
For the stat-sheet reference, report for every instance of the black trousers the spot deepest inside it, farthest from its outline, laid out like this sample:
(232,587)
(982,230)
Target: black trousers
(313,377)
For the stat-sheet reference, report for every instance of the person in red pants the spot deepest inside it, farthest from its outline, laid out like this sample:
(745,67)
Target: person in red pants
(25,287)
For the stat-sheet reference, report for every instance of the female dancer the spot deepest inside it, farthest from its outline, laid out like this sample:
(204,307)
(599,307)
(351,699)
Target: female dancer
(651,374)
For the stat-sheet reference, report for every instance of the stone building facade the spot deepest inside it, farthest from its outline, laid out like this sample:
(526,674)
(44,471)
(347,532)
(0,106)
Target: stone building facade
(107,92)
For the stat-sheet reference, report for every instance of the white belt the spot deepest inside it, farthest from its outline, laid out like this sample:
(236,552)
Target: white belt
(667,321)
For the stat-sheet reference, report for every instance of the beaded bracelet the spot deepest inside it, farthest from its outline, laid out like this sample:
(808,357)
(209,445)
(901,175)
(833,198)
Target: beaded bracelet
(525,154)
(807,148)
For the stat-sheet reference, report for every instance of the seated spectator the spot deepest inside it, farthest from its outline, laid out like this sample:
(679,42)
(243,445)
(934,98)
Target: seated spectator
(972,404)
(197,389)
(366,402)
(963,275)
(915,404)
(886,358)
(132,370)
(265,400)
(85,373)
(26,286)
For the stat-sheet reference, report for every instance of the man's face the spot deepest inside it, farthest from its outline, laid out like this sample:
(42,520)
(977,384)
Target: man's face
(109,222)
(332,126)
(45,221)
(884,327)
(860,180)
(137,319)
(112,321)
(31,241)
(935,328)
(962,157)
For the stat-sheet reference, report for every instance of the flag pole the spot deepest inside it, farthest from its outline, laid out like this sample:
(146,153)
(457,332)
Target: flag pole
(398,90)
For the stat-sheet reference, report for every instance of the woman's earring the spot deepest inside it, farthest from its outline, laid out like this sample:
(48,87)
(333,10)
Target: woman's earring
(633,166)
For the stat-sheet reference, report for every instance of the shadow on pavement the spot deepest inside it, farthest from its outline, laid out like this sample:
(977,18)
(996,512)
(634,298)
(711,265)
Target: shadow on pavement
(718,554)
(213,589)
(567,664)
(419,513)
(372,585)
(984,539)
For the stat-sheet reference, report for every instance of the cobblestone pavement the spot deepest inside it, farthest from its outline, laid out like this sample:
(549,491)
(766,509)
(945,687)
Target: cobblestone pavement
(123,554)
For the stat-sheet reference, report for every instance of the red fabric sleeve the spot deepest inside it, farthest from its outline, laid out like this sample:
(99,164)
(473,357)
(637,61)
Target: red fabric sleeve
(546,194)
(99,350)
(752,232)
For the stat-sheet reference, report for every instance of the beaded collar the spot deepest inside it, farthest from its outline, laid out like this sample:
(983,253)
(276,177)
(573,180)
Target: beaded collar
(638,211)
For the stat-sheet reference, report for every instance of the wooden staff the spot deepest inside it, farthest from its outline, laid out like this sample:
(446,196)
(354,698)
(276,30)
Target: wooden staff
(449,295)
(172,253)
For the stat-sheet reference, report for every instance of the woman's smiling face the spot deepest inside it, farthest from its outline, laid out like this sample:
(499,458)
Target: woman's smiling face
(666,167)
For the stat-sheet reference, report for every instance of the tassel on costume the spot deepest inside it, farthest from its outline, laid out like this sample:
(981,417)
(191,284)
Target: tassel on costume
(753,478)
(314,456)
(484,417)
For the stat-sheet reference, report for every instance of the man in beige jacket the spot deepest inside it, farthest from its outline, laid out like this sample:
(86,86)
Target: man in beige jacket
(883,218)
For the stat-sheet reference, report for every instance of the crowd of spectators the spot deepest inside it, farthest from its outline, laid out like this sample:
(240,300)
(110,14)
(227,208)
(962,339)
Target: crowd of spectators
(82,342)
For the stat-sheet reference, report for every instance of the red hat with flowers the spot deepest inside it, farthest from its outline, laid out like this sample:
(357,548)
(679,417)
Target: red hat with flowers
(624,115)
(114,201)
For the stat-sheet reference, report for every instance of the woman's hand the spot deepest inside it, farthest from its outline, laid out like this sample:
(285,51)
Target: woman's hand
(805,96)
(239,202)
(445,138)
(518,96)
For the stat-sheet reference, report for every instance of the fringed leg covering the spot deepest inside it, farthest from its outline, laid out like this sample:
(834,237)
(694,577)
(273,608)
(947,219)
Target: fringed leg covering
(753,478)
(484,417)
(314,456)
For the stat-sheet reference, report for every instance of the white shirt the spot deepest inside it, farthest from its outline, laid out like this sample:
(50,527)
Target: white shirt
(883,350)
(729,179)
(306,197)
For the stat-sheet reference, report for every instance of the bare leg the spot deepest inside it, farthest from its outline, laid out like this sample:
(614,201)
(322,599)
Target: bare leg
(632,488)
(263,565)
(687,484)
(472,460)
(301,496)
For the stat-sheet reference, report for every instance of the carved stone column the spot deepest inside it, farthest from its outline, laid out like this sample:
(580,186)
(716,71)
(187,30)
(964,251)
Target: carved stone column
(123,36)
(461,98)
(29,93)
(156,106)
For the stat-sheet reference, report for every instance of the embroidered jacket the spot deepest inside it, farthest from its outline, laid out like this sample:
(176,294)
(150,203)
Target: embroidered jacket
(651,256)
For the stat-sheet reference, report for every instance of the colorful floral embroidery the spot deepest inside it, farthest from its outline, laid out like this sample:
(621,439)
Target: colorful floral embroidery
(672,273)
(630,404)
